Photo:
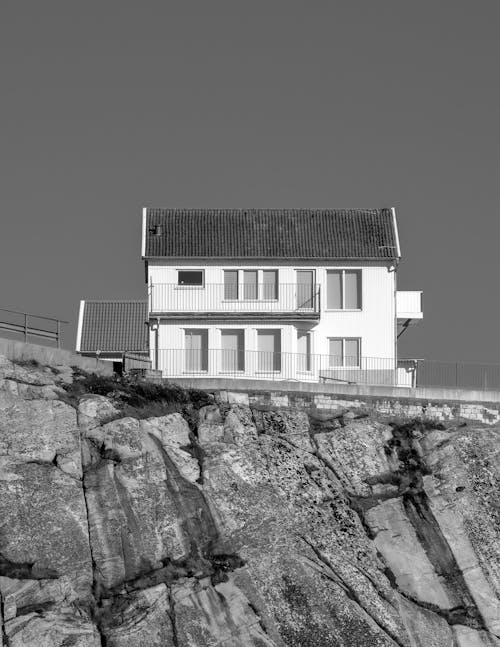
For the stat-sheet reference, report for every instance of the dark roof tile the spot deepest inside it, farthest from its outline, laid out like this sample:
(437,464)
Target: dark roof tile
(114,326)
(271,233)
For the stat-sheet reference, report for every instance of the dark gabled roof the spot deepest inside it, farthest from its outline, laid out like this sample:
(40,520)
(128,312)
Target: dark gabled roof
(113,326)
(270,233)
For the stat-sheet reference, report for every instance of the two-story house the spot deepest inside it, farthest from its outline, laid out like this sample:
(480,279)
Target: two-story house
(302,294)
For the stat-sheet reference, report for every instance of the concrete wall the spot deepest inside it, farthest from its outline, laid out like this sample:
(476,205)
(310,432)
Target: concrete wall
(20,351)
(435,404)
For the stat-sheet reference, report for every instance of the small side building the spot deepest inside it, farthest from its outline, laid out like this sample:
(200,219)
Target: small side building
(116,331)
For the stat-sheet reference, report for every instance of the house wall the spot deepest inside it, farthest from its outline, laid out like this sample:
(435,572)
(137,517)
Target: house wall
(374,324)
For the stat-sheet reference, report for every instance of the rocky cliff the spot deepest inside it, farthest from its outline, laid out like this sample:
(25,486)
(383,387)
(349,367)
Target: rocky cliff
(224,524)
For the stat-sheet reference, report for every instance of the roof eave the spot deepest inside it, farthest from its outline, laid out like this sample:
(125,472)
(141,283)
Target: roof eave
(272,258)
(396,232)
(79,327)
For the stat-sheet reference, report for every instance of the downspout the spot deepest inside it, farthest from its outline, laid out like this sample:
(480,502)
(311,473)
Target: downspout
(157,341)
(396,264)
(155,326)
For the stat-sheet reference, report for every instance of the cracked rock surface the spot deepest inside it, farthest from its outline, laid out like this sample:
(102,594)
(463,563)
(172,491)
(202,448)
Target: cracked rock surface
(251,527)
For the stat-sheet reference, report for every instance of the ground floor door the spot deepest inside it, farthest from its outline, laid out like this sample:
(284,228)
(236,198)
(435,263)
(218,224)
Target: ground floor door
(269,351)
(233,351)
(196,349)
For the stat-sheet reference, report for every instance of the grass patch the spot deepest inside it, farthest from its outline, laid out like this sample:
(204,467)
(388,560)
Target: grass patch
(27,363)
(138,399)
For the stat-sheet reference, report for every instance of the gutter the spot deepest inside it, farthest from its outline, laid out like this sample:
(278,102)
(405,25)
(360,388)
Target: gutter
(384,259)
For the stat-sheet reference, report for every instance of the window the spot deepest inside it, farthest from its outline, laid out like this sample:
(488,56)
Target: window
(269,351)
(190,277)
(343,289)
(196,350)
(231,284)
(250,285)
(344,351)
(232,350)
(305,289)
(304,351)
(269,284)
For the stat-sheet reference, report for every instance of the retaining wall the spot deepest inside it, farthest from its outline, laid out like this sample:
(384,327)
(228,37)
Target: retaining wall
(393,402)
(20,351)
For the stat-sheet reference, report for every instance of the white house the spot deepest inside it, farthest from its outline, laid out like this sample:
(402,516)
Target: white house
(302,294)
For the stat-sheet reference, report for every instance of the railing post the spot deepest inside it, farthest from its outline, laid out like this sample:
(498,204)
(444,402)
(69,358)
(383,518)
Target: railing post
(25,328)
(58,334)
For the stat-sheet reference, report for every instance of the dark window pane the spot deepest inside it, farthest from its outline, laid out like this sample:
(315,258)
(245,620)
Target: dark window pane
(190,277)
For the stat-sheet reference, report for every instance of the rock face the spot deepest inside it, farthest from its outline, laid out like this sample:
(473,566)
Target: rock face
(239,526)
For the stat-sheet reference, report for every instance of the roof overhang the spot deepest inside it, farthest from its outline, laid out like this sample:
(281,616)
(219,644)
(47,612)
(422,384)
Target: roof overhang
(294,259)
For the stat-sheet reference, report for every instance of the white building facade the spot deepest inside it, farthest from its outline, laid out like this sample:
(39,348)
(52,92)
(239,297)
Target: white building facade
(306,295)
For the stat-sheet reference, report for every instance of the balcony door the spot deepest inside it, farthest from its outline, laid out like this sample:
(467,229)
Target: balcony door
(305,289)
(269,351)
(196,349)
(232,350)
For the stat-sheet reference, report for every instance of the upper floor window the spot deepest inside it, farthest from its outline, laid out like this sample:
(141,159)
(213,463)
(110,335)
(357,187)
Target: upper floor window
(343,289)
(190,277)
(251,285)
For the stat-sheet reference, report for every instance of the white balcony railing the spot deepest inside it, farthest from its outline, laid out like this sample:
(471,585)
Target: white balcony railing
(409,304)
(216,297)
(205,362)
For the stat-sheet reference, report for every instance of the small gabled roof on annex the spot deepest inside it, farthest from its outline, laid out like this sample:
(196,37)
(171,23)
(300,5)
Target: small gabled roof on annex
(112,326)
(270,233)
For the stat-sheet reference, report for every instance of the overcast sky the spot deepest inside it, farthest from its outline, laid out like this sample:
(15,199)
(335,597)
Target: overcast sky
(113,105)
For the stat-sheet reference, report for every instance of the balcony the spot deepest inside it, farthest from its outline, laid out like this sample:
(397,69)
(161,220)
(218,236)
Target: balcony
(409,306)
(250,300)
(269,365)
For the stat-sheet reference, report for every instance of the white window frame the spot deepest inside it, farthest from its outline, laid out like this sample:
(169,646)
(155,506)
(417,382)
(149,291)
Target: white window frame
(183,286)
(260,283)
(343,340)
(342,271)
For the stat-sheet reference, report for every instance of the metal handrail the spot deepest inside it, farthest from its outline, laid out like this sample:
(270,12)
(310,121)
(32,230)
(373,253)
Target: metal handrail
(24,327)
(31,314)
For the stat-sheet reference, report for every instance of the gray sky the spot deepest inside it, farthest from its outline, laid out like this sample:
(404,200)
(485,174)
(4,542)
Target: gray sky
(109,106)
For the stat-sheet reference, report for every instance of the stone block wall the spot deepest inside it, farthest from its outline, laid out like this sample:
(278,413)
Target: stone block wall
(393,407)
